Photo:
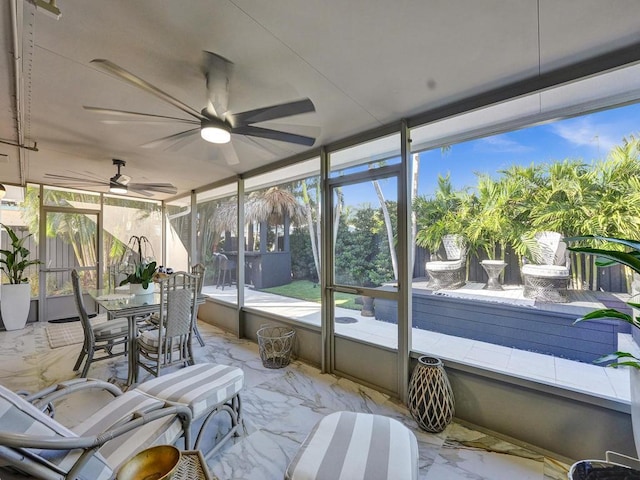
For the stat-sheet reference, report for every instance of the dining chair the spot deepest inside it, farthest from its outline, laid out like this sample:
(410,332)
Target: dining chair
(199,270)
(99,335)
(170,342)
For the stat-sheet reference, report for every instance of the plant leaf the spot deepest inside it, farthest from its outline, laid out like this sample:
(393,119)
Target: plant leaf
(605,313)
(631,260)
(634,244)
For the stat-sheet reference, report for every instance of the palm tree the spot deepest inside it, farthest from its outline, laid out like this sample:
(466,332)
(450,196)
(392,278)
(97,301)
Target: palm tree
(490,222)
(447,212)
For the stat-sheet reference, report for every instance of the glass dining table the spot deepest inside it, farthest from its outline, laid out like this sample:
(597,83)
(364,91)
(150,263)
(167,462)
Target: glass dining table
(120,303)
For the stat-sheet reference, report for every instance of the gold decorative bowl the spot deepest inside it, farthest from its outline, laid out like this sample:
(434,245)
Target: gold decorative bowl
(155,463)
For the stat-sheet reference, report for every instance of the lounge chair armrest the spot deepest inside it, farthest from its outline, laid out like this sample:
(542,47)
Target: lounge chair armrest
(44,398)
(20,440)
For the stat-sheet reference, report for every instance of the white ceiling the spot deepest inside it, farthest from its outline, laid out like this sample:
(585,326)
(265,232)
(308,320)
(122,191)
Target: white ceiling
(364,63)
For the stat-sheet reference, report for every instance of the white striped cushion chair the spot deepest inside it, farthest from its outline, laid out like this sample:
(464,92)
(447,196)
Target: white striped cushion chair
(164,431)
(35,444)
(17,416)
(357,446)
(207,389)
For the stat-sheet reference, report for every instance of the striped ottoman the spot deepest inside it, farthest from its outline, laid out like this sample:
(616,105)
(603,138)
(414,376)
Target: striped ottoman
(348,445)
(207,389)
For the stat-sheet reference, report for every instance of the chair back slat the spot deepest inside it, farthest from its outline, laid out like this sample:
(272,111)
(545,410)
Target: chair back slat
(82,311)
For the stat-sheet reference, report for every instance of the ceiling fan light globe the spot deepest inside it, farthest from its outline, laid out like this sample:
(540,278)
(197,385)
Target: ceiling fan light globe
(214,134)
(119,189)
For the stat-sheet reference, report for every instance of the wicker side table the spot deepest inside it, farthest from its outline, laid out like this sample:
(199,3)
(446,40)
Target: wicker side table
(494,269)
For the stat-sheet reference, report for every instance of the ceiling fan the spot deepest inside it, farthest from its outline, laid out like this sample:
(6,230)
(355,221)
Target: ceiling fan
(215,123)
(119,183)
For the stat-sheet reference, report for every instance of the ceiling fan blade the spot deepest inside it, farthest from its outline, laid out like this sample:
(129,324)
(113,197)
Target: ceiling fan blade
(273,112)
(153,187)
(264,148)
(168,138)
(140,191)
(140,115)
(138,82)
(68,178)
(217,71)
(307,130)
(274,135)
(229,153)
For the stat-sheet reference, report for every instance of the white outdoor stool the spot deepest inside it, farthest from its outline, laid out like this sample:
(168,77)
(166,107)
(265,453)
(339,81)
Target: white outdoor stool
(207,389)
(356,446)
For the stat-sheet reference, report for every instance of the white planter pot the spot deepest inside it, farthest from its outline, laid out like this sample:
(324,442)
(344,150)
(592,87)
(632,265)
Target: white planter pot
(634,374)
(16,300)
(136,289)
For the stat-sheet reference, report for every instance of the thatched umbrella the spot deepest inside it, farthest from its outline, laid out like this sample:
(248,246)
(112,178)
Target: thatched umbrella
(225,217)
(273,206)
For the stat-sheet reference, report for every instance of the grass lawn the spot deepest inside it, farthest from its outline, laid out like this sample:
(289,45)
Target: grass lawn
(306,290)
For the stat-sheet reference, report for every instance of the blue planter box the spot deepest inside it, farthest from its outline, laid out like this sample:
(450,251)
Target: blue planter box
(525,328)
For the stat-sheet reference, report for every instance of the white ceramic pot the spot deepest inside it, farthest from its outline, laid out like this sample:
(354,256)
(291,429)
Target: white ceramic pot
(136,289)
(15,304)
(634,374)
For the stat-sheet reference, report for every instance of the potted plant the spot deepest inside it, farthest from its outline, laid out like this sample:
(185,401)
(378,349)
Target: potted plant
(141,279)
(631,258)
(16,295)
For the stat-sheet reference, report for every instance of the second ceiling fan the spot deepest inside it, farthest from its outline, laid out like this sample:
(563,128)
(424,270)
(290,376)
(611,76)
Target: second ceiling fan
(214,123)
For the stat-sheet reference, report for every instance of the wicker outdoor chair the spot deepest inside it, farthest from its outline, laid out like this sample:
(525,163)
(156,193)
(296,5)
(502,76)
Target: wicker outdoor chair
(546,274)
(170,342)
(34,444)
(451,272)
(100,334)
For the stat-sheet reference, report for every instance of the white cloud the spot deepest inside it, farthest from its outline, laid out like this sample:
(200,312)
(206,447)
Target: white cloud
(502,144)
(583,132)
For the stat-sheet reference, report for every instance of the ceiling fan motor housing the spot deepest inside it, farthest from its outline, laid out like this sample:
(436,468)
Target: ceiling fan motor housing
(214,130)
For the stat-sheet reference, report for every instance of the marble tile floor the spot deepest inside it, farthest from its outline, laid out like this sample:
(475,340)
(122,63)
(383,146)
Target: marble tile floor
(280,408)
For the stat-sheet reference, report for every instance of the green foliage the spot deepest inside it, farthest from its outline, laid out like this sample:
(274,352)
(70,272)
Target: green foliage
(311,292)
(144,270)
(302,263)
(15,260)
(608,257)
(362,251)
(143,274)
(568,196)
(447,212)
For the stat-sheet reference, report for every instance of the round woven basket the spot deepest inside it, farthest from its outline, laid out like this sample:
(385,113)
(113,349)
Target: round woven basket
(275,344)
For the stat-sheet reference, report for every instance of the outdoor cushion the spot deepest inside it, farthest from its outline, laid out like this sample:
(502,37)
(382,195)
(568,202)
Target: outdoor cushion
(443,265)
(19,416)
(545,270)
(201,387)
(150,339)
(117,326)
(163,431)
(356,446)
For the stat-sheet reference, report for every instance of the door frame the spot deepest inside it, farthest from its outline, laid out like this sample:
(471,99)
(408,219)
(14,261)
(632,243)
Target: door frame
(44,270)
(330,286)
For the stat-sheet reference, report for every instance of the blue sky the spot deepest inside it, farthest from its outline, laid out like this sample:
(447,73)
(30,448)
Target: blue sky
(587,138)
